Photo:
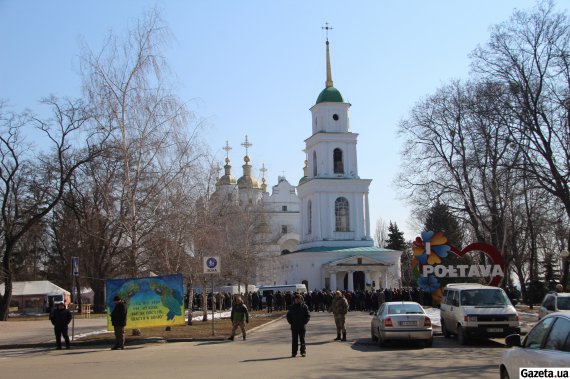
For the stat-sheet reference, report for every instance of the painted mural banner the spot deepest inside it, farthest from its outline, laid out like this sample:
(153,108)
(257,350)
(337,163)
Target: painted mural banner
(152,301)
(431,248)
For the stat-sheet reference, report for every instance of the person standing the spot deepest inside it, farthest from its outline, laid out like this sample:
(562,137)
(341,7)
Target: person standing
(269,300)
(240,317)
(60,318)
(298,316)
(119,321)
(339,308)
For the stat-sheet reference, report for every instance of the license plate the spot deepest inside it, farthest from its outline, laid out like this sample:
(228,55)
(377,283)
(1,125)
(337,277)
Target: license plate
(495,330)
(408,323)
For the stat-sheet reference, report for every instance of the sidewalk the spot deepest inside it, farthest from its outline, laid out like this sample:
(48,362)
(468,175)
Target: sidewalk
(39,334)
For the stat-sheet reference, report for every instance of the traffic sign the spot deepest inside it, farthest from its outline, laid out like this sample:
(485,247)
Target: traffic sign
(75,265)
(212,265)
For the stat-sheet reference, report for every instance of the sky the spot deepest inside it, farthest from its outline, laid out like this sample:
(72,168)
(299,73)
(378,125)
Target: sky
(256,67)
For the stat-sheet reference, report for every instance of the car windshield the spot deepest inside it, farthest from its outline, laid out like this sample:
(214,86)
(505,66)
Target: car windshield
(564,303)
(405,309)
(484,297)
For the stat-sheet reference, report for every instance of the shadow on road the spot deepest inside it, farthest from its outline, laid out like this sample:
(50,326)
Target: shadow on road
(265,359)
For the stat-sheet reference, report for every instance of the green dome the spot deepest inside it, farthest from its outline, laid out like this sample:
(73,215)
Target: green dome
(330,95)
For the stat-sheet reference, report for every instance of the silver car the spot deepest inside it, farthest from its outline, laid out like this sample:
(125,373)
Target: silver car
(401,320)
(554,302)
(546,345)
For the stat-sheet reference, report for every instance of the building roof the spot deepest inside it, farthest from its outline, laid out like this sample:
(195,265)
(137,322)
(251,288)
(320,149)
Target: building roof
(36,287)
(330,95)
(352,250)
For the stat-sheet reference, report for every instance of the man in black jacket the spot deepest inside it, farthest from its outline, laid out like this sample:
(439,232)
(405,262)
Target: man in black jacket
(60,318)
(119,321)
(298,316)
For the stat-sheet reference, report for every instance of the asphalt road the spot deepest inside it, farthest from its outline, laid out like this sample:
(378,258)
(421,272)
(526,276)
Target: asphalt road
(41,331)
(266,353)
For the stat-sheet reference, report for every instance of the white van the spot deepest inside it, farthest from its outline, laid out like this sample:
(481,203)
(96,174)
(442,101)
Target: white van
(264,290)
(473,310)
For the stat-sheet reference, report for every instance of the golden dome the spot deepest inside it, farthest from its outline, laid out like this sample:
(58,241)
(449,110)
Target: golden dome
(247,180)
(227,178)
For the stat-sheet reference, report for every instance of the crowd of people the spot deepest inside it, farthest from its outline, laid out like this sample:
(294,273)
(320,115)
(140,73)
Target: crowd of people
(316,300)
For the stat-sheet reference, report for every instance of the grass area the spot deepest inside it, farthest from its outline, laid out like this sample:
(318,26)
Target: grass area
(198,329)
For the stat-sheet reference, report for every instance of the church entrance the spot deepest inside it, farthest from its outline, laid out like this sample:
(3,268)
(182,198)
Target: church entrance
(357,281)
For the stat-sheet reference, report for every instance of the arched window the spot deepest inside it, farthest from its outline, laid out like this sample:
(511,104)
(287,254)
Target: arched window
(337,159)
(309,217)
(315,164)
(341,215)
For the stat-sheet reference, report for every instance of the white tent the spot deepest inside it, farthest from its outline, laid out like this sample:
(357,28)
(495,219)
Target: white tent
(34,296)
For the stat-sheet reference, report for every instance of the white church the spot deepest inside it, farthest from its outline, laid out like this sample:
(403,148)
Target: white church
(320,229)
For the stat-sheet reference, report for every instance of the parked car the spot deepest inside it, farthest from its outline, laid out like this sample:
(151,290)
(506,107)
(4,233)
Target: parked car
(554,302)
(546,345)
(401,320)
(470,310)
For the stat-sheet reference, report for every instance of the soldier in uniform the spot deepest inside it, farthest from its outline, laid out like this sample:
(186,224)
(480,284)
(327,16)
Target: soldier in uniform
(339,308)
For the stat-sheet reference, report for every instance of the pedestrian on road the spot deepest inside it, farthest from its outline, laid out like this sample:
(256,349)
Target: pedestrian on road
(240,317)
(60,318)
(298,316)
(339,308)
(119,321)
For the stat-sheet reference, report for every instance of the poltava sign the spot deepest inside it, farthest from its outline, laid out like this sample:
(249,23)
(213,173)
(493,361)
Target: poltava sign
(432,247)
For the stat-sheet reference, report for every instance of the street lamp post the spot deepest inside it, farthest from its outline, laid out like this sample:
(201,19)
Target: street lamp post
(564,254)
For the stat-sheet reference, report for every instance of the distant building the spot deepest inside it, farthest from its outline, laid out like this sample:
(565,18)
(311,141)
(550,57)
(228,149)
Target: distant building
(36,296)
(319,231)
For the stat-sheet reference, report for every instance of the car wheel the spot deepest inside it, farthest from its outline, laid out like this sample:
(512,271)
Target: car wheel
(504,373)
(428,343)
(374,338)
(461,337)
(381,341)
(444,330)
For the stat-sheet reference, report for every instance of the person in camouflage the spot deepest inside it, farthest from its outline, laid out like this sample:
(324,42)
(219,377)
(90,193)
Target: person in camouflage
(240,317)
(339,308)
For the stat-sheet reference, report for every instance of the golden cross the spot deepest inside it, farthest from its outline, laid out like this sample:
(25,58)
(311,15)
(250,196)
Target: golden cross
(263,170)
(227,148)
(246,144)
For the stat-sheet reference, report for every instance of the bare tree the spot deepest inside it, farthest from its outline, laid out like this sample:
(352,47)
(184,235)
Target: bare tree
(32,185)
(530,56)
(149,129)
(381,232)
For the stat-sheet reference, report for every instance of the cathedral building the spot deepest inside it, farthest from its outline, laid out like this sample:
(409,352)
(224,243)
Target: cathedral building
(319,230)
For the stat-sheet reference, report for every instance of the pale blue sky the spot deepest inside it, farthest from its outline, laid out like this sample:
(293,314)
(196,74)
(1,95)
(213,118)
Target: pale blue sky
(256,67)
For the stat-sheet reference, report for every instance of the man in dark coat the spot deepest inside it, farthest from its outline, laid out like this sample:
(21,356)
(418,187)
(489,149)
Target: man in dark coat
(269,300)
(60,318)
(119,321)
(298,316)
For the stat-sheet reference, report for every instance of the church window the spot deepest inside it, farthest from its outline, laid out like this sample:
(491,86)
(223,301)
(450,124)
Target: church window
(284,229)
(341,215)
(309,217)
(337,159)
(335,117)
(314,163)
(284,208)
